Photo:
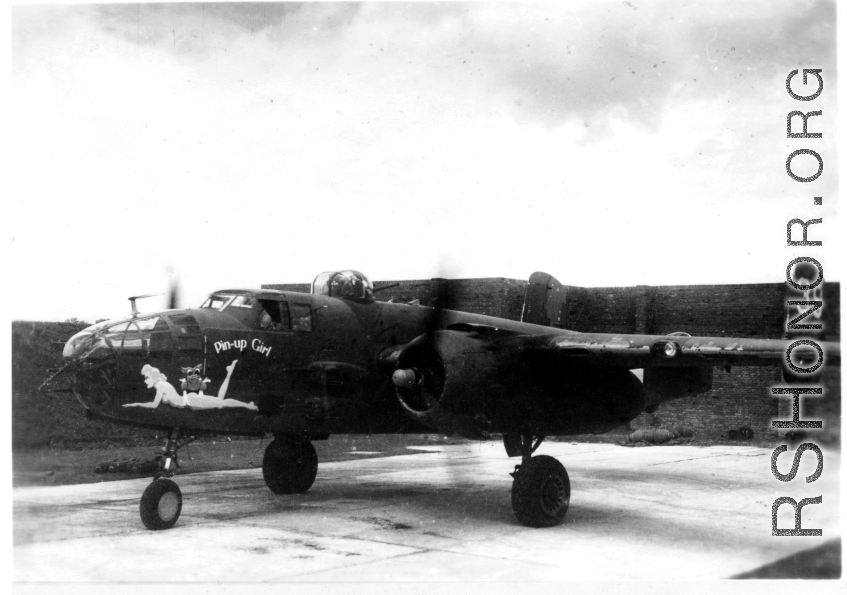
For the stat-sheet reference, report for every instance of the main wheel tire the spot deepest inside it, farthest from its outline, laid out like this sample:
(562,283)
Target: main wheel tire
(290,466)
(541,492)
(161,504)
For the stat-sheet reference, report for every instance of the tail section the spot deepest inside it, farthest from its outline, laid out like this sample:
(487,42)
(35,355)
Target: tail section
(544,301)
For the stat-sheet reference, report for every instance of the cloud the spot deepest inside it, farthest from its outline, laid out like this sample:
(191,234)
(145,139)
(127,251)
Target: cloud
(299,136)
(539,64)
(613,60)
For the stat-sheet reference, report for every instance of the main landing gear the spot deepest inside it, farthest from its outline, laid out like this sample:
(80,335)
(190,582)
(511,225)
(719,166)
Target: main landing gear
(161,502)
(290,464)
(541,490)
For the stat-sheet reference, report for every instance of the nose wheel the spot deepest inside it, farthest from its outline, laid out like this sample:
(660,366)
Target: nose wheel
(161,502)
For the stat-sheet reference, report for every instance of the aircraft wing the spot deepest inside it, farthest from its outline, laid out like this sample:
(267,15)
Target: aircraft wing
(638,351)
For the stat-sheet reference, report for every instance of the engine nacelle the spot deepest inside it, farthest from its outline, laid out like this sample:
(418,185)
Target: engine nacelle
(446,381)
(466,383)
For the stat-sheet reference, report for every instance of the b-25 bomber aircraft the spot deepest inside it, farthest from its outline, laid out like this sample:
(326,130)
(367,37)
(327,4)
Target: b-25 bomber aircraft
(336,361)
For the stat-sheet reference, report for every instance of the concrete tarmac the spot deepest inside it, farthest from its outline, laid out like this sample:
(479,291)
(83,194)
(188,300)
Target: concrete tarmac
(444,513)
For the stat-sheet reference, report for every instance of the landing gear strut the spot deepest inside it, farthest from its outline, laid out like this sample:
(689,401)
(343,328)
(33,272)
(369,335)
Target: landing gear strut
(161,502)
(541,490)
(290,464)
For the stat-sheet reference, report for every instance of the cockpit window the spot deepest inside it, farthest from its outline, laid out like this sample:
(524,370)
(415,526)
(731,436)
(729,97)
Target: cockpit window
(216,301)
(220,301)
(242,301)
(350,285)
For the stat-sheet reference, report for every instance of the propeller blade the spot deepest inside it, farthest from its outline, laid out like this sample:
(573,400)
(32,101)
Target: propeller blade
(443,298)
(173,296)
(173,289)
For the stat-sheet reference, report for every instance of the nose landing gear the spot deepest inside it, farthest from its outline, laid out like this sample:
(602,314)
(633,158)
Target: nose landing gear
(541,491)
(161,502)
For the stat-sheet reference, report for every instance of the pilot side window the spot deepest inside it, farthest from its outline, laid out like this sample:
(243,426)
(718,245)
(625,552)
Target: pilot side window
(275,316)
(301,317)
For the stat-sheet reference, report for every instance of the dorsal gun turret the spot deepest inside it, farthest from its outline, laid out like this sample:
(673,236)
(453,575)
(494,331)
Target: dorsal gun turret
(348,284)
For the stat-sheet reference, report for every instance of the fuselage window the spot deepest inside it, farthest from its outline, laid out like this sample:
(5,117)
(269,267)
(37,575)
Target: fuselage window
(189,338)
(301,317)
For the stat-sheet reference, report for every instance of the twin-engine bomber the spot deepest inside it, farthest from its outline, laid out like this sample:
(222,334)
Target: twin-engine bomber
(335,361)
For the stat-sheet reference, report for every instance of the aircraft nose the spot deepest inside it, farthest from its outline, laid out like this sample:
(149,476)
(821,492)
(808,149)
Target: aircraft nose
(91,364)
(86,345)
(74,346)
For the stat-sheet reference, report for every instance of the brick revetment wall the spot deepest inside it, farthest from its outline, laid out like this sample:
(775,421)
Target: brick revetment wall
(740,397)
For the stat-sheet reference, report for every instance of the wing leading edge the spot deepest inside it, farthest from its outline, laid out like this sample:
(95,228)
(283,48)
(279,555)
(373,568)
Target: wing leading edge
(638,351)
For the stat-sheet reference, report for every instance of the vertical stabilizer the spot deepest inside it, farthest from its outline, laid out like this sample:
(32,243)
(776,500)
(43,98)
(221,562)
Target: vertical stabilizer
(544,301)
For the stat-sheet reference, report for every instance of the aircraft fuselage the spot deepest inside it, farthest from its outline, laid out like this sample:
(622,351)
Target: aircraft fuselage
(322,367)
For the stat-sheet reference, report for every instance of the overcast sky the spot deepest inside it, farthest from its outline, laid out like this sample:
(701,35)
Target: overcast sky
(610,143)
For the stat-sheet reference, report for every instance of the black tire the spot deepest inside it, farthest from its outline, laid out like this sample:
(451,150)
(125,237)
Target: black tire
(290,466)
(161,504)
(541,492)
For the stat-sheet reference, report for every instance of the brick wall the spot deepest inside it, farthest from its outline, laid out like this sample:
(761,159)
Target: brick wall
(740,397)
(705,310)
(492,297)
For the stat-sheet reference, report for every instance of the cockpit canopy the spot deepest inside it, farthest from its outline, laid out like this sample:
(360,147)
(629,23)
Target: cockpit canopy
(350,285)
(220,300)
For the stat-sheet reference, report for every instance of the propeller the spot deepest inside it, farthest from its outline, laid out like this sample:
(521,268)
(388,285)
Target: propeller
(442,298)
(172,293)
